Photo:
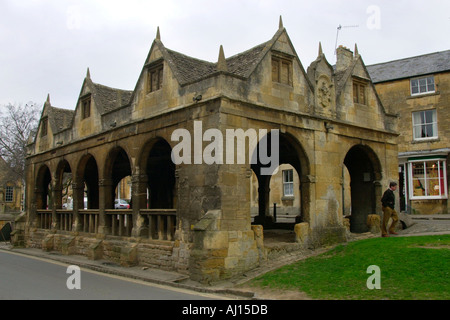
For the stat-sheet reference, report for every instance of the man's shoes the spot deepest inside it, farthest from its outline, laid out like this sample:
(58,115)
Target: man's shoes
(385,236)
(393,232)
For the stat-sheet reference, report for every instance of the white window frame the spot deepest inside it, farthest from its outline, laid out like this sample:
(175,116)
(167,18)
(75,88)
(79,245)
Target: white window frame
(288,183)
(427,84)
(418,126)
(442,165)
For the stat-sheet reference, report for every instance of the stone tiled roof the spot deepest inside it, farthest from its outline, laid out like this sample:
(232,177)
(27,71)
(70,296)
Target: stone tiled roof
(410,67)
(60,119)
(108,99)
(189,70)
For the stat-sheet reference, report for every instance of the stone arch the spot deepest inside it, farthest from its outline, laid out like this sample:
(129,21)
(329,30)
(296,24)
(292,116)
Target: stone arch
(87,182)
(63,183)
(157,169)
(117,167)
(291,152)
(43,187)
(365,172)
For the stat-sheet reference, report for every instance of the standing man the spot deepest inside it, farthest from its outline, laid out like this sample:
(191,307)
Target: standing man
(388,203)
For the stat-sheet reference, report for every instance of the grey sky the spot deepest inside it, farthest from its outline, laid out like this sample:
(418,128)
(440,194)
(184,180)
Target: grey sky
(47,45)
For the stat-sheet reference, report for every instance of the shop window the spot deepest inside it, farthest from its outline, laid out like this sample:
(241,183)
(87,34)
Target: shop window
(428,179)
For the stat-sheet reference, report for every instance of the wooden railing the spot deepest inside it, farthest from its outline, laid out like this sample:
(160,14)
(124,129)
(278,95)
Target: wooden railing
(121,221)
(44,219)
(89,220)
(161,223)
(65,219)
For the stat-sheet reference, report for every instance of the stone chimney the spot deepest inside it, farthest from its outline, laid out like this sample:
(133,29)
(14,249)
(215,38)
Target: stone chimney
(344,58)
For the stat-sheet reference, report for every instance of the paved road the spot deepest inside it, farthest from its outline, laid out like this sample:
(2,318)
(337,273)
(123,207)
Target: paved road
(23,277)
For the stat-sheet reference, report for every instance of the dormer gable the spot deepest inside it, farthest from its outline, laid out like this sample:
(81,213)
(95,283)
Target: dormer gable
(356,98)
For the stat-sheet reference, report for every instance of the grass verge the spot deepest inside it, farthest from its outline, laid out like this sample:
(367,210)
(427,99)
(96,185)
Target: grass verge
(411,268)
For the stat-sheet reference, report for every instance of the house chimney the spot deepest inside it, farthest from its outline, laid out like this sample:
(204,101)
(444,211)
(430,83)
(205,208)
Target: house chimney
(344,58)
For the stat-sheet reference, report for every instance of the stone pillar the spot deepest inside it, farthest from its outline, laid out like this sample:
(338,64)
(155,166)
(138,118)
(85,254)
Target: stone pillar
(138,202)
(56,204)
(78,204)
(264,217)
(307,184)
(105,202)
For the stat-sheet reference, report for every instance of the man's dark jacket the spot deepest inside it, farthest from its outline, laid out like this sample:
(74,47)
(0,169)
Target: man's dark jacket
(388,199)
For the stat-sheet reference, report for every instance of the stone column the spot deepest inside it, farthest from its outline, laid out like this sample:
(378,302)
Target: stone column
(78,204)
(138,202)
(56,204)
(105,202)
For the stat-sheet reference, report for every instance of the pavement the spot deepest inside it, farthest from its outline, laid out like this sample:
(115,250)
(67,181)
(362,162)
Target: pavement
(422,225)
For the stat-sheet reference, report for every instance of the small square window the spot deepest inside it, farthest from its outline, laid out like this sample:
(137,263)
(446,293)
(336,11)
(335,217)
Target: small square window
(155,78)
(9,195)
(44,127)
(282,70)
(359,92)
(86,107)
(422,85)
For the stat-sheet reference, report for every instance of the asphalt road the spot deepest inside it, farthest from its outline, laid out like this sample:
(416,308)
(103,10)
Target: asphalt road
(28,278)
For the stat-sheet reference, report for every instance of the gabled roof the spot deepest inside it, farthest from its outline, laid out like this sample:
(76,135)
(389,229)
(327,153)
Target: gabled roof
(188,70)
(410,67)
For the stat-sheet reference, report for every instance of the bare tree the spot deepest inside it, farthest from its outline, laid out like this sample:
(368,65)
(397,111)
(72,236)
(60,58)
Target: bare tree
(17,124)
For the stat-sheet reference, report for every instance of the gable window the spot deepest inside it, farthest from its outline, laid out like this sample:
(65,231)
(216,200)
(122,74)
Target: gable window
(9,195)
(44,127)
(428,179)
(288,183)
(424,124)
(86,107)
(282,70)
(359,92)
(155,78)
(422,85)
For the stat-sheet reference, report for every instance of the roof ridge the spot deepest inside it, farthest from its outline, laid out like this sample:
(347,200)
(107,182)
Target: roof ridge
(412,57)
(170,51)
(108,87)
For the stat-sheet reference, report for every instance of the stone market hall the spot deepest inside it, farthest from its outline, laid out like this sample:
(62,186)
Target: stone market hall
(195,218)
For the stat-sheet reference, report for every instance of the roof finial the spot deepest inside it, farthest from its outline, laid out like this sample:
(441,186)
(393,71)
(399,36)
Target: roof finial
(356,51)
(280,25)
(320,49)
(158,34)
(88,73)
(222,63)
(48,98)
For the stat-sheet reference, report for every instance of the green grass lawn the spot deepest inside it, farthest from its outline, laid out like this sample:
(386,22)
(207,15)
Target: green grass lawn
(415,268)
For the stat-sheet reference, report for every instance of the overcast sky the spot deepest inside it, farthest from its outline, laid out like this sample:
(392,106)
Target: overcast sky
(46,46)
